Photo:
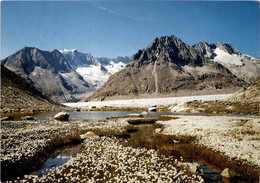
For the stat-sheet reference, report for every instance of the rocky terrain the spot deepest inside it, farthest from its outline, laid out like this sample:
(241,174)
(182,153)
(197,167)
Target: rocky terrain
(17,95)
(248,94)
(109,153)
(169,67)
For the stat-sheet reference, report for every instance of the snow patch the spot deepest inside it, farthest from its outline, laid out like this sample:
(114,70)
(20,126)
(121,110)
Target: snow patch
(114,67)
(67,51)
(226,58)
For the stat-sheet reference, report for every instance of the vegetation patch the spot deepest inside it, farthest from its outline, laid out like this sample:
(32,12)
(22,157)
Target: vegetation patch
(141,121)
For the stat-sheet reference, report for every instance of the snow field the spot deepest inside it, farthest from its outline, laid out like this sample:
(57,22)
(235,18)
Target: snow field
(147,102)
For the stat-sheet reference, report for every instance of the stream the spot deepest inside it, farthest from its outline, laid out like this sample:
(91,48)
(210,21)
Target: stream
(143,137)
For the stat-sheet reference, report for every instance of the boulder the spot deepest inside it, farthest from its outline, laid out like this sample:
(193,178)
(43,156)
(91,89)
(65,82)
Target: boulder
(28,118)
(89,134)
(191,167)
(77,110)
(158,130)
(7,118)
(63,116)
(152,109)
(228,173)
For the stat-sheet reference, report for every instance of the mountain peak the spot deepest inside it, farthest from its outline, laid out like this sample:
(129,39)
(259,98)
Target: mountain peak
(170,49)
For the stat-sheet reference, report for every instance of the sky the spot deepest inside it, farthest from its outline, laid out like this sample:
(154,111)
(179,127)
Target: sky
(121,28)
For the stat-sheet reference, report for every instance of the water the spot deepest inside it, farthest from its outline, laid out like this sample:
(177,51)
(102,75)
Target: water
(73,115)
(103,115)
(58,158)
(145,137)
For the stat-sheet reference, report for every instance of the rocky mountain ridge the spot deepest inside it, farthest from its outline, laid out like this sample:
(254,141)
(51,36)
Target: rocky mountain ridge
(49,72)
(169,67)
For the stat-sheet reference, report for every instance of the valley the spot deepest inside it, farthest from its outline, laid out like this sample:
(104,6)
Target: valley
(171,113)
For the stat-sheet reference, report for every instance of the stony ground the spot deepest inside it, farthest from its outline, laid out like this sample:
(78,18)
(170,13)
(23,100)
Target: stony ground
(103,159)
(17,95)
(218,107)
(236,138)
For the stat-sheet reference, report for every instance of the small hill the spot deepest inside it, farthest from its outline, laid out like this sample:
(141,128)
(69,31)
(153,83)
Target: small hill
(18,95)
(248,94)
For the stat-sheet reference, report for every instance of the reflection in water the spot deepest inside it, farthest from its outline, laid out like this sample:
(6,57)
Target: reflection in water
(58,158)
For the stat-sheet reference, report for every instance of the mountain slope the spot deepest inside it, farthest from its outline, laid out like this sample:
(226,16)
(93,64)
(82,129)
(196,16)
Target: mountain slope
(49,72)
(18,94)
(250,93)
(243,66)
(168,66)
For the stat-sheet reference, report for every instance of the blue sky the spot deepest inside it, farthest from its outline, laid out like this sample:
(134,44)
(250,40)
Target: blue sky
(114,28)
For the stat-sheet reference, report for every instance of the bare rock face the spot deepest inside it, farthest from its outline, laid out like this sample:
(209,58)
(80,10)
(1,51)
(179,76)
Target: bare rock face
(169,66)
(250,93)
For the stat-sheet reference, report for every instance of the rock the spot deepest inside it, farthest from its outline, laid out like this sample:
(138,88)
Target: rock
(77,110)
(228,173)
(89,134)
(63,116)
(152,109)
(7,118)
(158,130)
(191,167)
(28,118)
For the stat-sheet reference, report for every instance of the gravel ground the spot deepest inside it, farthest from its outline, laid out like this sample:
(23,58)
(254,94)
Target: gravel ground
(236,137)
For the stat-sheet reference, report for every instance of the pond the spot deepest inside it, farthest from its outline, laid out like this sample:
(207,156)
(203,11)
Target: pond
(102,115)
(58,158)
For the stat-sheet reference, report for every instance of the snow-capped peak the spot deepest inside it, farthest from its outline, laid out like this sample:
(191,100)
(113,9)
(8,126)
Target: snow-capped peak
(67,51)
